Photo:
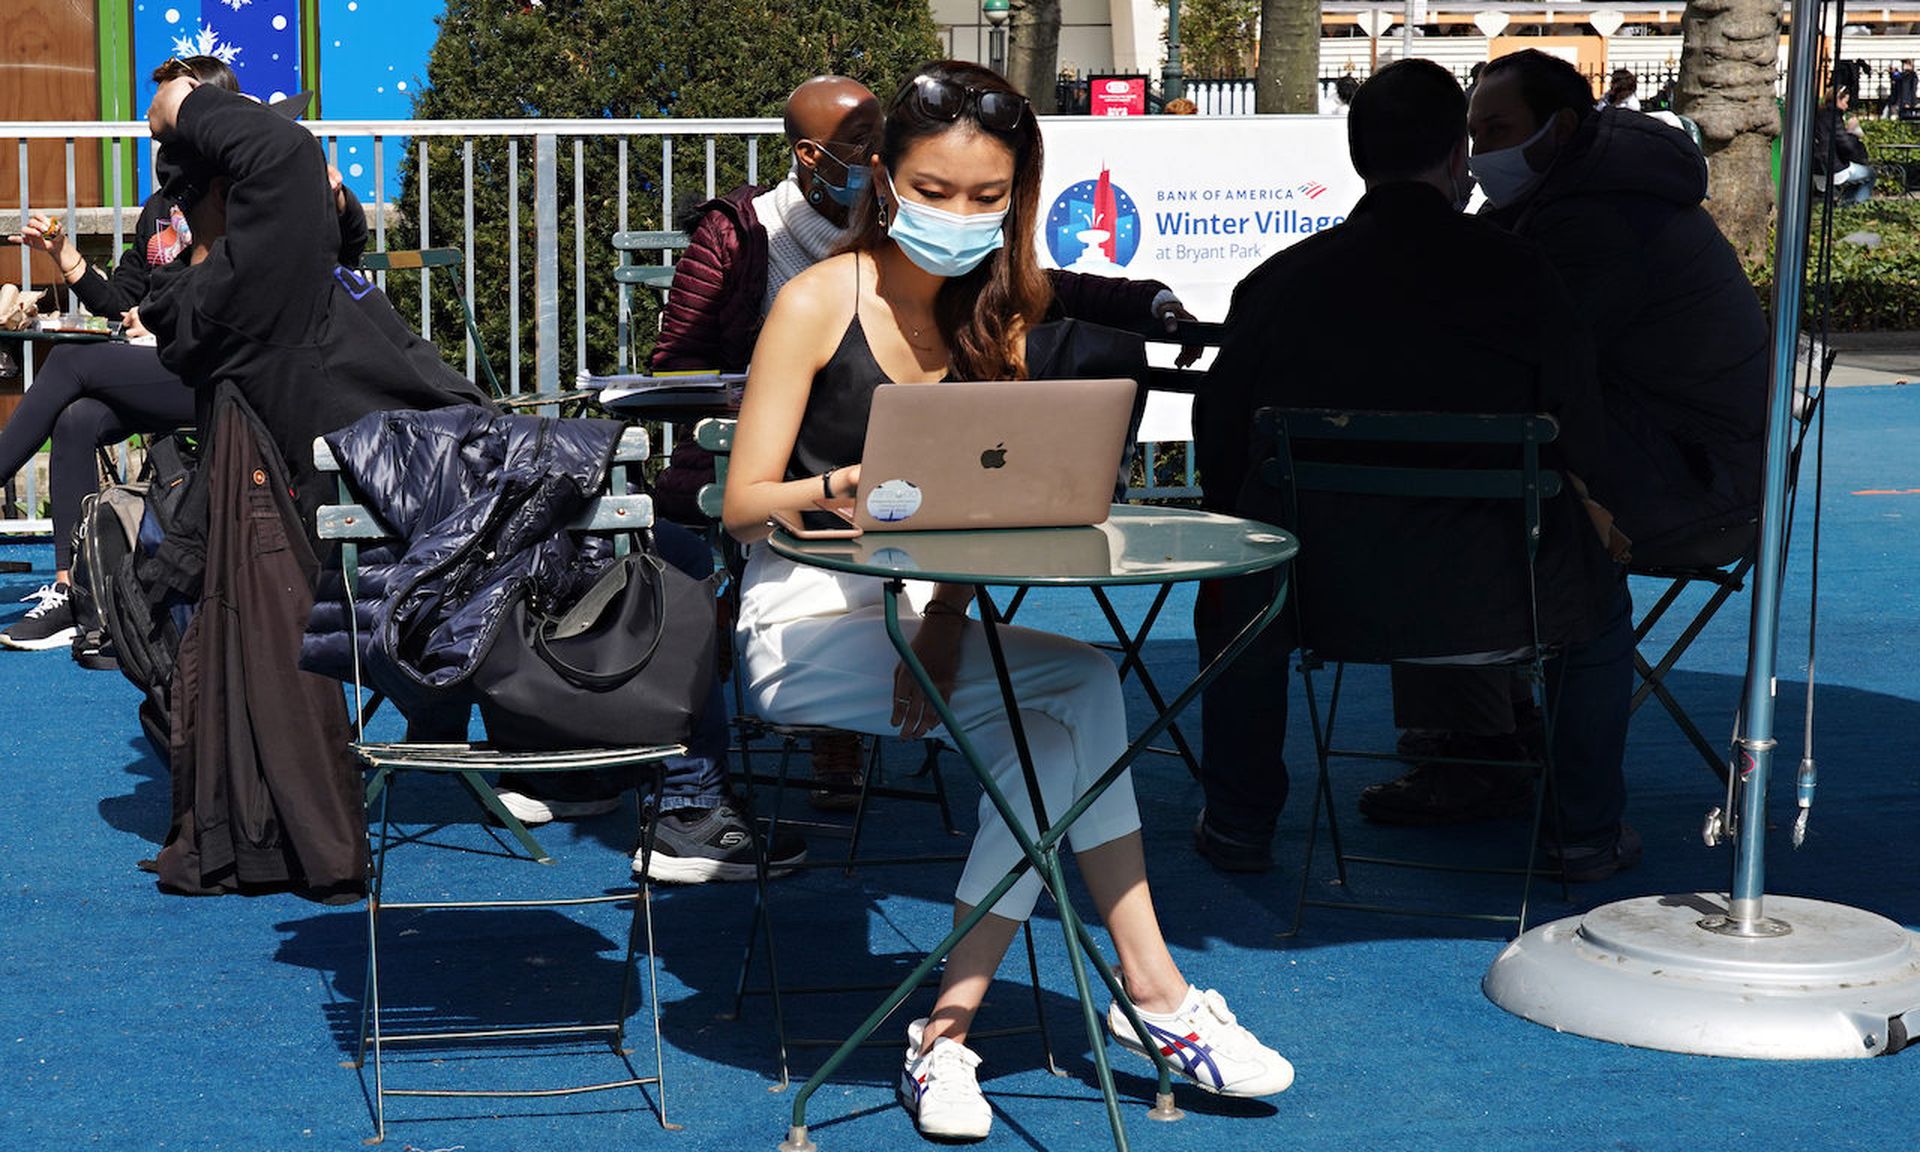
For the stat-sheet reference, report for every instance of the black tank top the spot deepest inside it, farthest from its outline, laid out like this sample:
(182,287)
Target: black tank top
(833,429)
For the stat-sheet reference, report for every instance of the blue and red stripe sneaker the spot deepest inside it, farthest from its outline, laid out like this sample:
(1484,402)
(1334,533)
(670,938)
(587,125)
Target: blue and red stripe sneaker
(1205,1043)
(940,1089)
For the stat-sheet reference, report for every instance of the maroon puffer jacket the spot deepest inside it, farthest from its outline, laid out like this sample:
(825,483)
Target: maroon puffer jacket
(712,315)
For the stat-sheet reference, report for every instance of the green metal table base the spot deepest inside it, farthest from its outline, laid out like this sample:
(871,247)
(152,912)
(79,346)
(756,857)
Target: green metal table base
(1042,854)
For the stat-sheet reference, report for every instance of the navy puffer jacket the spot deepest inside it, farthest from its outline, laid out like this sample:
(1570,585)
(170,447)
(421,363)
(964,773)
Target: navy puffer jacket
(477,502)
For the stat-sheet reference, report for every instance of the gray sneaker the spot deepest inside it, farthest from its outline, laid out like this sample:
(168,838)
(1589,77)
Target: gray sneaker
(695,846)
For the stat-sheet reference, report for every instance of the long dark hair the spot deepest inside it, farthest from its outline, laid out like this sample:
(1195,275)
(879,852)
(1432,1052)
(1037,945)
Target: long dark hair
(984,315)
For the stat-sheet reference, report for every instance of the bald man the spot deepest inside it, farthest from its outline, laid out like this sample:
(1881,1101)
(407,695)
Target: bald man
(748,243)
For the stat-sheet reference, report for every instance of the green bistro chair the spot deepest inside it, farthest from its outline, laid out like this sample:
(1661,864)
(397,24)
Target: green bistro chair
(1320,481)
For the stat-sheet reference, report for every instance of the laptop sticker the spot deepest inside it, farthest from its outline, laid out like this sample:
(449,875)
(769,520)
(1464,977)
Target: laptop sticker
(892,501)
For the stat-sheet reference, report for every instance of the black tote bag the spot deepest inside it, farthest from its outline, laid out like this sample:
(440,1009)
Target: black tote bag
(630,664)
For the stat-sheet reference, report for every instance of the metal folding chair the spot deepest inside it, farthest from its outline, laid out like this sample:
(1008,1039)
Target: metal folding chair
(427,259)
(1726,574)
(1520,482)
(615,514)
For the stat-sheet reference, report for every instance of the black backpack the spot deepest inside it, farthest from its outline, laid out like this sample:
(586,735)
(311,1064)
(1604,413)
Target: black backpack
(140,556)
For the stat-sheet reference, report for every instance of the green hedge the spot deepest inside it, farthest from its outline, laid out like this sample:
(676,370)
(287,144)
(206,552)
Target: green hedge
(1871,289)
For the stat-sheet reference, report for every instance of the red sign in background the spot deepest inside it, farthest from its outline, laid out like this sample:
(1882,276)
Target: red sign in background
(1117,96)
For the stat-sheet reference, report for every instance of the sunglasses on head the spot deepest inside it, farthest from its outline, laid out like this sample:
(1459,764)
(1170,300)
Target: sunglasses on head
(940,99)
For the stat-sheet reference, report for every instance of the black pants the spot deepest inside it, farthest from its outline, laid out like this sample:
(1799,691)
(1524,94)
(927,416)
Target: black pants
(87,396)
(1243,713)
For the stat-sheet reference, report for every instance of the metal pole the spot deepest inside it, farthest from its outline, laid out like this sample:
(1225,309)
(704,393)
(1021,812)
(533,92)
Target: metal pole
(1406,33)
(1745,915)
(1172,82)
(546,265)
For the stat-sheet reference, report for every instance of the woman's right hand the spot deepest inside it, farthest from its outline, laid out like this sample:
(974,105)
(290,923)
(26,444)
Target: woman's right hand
(43,234)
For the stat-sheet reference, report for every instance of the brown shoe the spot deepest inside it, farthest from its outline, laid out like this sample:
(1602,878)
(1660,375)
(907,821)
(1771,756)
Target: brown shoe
(839,764)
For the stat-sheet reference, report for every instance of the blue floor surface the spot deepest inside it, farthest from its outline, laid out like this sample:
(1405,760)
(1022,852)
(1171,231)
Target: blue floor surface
(146,1021)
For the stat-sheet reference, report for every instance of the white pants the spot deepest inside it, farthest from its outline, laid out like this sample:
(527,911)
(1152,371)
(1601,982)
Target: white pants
(816,652)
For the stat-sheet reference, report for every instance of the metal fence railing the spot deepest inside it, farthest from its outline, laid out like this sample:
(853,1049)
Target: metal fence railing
(645,171)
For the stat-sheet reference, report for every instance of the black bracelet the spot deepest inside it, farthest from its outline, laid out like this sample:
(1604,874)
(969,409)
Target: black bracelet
(826,482)
(945,609)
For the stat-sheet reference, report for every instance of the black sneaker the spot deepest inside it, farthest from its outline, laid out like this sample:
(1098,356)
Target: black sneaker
(1433,794)
(94,652)
(540,797)
(48,624)
(695,845)
(1229,851)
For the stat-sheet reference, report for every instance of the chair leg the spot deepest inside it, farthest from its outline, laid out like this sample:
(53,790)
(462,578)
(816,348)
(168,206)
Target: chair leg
(641,922)
(1326,758)
(860,807)
(1322,796)
(484,794)
(1039,1004)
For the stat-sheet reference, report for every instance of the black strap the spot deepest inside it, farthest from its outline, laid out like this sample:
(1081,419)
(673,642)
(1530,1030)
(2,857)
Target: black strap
(601,681)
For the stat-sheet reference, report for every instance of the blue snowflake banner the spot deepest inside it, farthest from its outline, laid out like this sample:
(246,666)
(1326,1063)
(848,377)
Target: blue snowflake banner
(259,40)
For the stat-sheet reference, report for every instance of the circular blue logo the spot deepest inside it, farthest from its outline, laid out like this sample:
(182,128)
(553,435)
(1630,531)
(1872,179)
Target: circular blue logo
(1093,226)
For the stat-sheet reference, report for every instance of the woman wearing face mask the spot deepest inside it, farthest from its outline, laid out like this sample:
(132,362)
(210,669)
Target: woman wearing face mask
(940,282)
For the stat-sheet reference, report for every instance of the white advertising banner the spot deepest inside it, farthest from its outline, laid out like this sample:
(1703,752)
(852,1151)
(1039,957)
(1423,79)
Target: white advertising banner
(1196,202)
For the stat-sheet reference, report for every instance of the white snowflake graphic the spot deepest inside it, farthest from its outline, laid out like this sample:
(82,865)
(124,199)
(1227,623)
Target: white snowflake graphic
(236,5)
(206,42)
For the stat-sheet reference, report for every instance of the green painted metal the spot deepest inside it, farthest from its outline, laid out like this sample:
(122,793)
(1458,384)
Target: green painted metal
(113,32)
(310,54)
(1043,853)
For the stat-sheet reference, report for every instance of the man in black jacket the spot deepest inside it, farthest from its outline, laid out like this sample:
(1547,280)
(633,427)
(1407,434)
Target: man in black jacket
(1614,201)
(1475,321)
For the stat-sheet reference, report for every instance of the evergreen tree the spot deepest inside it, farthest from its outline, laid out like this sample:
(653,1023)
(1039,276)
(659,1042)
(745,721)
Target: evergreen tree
(615,59)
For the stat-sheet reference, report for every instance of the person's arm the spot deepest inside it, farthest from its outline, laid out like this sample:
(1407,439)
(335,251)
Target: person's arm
(353,220)
(703,278)
(1146,307)
(282,229)
(798,339)
(1223,408)
(101,296)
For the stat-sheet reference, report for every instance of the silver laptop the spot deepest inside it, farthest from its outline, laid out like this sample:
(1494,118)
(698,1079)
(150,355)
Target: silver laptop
(1000,454)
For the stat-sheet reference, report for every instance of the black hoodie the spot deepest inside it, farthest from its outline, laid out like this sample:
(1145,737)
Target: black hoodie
(1681,340)
(312,346)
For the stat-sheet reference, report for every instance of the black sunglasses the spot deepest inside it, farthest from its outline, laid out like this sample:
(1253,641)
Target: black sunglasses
(939,99)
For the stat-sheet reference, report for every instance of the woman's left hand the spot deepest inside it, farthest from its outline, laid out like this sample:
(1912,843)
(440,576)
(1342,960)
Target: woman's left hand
(937,646)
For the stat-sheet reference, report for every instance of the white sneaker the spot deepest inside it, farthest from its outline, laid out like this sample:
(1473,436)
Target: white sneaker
(940,1090)
(532,810)
(1203,1042)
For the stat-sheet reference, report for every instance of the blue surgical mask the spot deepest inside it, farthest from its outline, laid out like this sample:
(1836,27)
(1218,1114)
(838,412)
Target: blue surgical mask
(944,243)
(844,194)
(1504,175)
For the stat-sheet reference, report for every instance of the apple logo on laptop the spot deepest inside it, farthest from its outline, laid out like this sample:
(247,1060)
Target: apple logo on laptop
(994,457)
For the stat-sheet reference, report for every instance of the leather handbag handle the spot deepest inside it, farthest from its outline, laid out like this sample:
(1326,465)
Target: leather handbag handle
(601,681)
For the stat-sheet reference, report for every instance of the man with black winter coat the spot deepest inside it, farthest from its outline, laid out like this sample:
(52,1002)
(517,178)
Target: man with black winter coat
(1614,201)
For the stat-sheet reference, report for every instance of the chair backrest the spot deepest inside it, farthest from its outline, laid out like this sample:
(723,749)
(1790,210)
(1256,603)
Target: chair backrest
(655,276)
(716,436)
(1365,454)
(451,259)
(613,512)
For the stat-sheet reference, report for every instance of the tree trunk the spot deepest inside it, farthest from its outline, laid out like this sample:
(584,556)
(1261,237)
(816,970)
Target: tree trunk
(1033,50)
(1729,59)
(1288,77)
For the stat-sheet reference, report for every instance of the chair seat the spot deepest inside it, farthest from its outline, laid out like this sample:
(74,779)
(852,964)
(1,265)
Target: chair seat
(480,758)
